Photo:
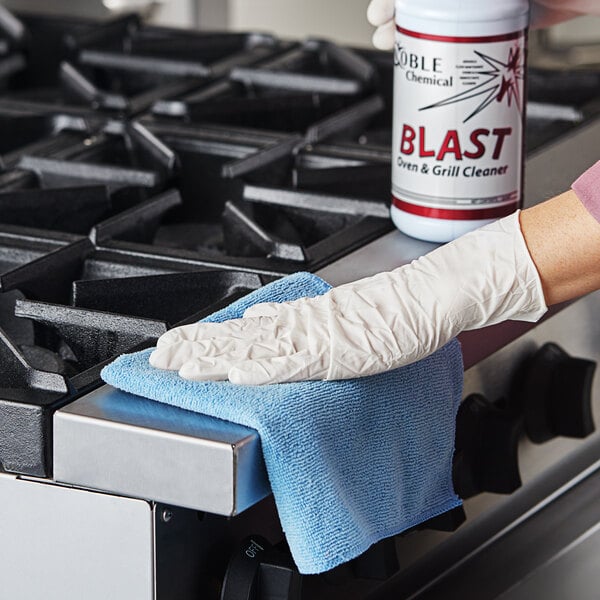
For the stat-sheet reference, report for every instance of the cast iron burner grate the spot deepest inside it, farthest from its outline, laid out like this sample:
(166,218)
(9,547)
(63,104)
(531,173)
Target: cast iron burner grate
(93,178)
(21,129)
(282,212)
(48,41)
(119,66)
(181,53)
(66,309)
(13,37)
(289,92)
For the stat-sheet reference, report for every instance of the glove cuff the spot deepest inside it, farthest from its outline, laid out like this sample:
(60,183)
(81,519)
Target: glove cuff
(514,288)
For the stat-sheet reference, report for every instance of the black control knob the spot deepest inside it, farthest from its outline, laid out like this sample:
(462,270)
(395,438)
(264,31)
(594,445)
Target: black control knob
(259,571)
(486,456)
(379,562)
(555,393)
(448,522)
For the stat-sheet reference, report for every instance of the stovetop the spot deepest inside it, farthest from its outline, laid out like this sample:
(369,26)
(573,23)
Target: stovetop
(149,176)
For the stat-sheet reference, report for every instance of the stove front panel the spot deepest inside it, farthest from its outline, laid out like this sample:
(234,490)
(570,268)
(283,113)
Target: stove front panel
(68,543)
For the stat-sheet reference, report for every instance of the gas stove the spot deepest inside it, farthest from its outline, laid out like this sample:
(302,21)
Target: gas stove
(150,176)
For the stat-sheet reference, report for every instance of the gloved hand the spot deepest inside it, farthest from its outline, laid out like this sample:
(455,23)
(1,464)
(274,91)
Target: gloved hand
(372,325)
(543,13)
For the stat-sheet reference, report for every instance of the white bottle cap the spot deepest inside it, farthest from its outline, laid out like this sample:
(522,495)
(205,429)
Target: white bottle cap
(463,17)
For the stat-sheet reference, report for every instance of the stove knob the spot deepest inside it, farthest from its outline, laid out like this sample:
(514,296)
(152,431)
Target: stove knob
(379,562)
(555,392)
(259,571)
(279,581)
(486,456)
(449,521)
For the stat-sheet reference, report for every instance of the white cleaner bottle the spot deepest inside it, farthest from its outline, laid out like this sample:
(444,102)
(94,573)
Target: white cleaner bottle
(459,106)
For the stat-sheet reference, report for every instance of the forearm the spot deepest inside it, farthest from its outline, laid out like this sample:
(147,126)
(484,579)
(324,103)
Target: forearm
(563,239)
(550,12)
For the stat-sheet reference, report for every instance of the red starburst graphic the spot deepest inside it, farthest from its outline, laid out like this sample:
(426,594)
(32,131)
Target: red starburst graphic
(500,81)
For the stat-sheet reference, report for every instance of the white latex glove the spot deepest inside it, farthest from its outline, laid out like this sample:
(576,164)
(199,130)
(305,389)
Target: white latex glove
(543,13)
(372,325)
(380,14)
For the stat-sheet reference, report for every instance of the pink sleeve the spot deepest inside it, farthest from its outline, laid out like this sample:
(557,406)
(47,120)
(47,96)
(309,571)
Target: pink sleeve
(587,188)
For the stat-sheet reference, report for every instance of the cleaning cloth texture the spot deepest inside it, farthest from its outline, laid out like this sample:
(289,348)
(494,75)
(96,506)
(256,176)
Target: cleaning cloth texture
(350,462)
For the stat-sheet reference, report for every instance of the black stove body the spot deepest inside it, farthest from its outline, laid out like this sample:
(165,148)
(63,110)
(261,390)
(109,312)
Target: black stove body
(149,177)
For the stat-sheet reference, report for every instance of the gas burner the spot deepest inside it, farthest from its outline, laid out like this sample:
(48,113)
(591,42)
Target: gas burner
(269,203)
(121,67)
(12,45)
(67,309)
(289,92)
(80,179)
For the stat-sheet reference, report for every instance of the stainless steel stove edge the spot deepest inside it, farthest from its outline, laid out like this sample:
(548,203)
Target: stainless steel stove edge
(113,441)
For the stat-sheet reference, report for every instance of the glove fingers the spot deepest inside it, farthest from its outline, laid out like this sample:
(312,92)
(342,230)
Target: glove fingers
(265,309)
(301,366)
(279,369)
(173,356)
(384,36)
(275,309)
(205,369)
(199,331)
(380,12)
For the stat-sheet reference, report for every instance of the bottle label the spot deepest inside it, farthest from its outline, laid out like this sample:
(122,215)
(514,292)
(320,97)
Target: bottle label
(458,125)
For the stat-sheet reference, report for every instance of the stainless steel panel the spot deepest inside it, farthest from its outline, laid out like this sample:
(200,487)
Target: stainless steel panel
(388,252)
(113,441)
(544,529)
(577,330)
(572,573)
(68,544)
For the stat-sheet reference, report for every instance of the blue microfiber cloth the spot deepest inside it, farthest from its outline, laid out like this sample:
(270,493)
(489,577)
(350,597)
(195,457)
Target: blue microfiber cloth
(349,462)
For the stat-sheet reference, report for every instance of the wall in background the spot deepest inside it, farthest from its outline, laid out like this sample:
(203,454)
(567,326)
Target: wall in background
(581,30)
(175,13)
(213,14)
(345,20)
(340,20)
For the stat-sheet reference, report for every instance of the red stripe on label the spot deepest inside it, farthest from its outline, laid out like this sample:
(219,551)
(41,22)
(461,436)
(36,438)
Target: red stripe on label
(462,214)
(504,37)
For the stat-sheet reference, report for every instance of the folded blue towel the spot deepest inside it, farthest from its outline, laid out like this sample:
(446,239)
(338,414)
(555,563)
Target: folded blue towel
(350,462)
